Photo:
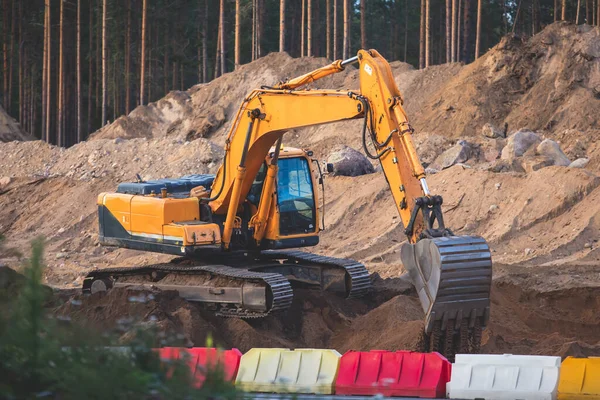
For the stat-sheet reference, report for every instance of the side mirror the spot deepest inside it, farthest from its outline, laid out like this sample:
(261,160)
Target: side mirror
(329,167)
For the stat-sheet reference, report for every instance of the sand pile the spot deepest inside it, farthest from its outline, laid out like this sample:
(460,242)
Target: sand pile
(10,129)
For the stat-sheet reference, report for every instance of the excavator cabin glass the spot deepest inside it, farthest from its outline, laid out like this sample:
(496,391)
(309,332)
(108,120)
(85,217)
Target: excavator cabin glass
(295,196)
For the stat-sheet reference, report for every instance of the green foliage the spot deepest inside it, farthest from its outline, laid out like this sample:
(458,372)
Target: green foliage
(47,357)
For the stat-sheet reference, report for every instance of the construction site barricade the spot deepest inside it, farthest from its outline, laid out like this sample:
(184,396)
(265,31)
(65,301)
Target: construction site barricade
(579,379)
(288,371)
(202,361)
(400,373)
(504,377)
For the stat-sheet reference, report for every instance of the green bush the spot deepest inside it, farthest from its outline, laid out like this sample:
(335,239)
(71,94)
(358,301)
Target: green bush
(43,357)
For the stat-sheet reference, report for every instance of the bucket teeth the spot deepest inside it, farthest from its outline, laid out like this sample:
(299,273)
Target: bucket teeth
(452,276)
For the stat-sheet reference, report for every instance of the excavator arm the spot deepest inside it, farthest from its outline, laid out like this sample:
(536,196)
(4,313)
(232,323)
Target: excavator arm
(452,274)
(266,114)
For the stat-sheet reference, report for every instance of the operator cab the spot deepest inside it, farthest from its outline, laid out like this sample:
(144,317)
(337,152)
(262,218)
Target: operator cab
(294,221)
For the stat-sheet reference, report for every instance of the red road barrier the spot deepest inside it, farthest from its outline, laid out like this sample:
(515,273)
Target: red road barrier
(400,373)
(202,359)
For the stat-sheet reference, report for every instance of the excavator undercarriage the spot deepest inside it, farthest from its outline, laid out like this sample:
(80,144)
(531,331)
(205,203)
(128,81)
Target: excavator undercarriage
(241,285)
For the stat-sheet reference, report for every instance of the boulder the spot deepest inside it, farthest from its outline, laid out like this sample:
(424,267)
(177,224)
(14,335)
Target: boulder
(4,181)
(550,149)
(531,164)
(519,142)
(459,153)
(579,163)
(492,132)
(349,162)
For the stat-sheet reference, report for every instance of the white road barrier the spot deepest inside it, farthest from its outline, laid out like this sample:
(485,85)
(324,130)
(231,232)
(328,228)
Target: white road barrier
(504,377)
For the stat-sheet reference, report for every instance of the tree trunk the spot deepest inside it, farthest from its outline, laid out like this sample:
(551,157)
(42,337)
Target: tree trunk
(104,48)
(48,75)
(21,43)
(427,32)
(577,14)
(478,33)
(61,75)
(143,52)
(260,27)
(422,36)
(346,49)
(454,20)
(222,41)
(328,29)
(44,135)
(335,30)
(302,30)
(555,10)
(13,26)
(448,31)
(563,11)
(363,27)
(218,55)
(253,30)
(282,25)
(458,30)
(5,53)
(309,29)
(90,71)
(405,29)
(205,44)
(166,61)
(128,61)
(79,71)
(237,34)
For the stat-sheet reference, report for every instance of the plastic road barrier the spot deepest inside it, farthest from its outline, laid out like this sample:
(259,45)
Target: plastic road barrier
(504,377)
(288,371)
(400,373)
(203,360)
(579,379)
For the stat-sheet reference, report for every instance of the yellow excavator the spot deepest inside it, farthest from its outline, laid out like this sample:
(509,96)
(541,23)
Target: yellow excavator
(236,232)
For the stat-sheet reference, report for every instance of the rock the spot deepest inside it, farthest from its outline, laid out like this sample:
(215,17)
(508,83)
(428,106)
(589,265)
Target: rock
(587,245)
(431,171)
(494,208)
(579,163)
(61,255)
(61,230)
(4,181)
(349,162)
(490,131)
(551,149)
(506,166)
(518,143)
(118,140)
(498,185)
(459,153)
(491,154)
(535,163)
(528,251)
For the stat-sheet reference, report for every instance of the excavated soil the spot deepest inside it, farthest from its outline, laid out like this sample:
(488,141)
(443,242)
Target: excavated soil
(542,226)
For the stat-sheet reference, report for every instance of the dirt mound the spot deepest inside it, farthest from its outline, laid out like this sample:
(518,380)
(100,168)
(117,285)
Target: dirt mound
(10,129)
(524,321)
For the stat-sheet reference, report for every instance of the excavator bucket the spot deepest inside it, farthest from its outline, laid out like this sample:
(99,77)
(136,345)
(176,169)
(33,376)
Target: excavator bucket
(452,276)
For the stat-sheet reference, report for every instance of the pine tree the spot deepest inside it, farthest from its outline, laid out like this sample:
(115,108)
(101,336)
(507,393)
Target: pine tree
(363,28)
(237,34)
(79,71)
(282,25)
(143,52)
(478,34)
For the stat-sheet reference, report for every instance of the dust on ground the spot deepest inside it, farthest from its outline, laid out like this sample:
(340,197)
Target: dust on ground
(542,225)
